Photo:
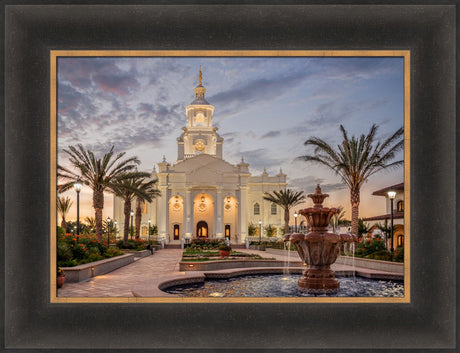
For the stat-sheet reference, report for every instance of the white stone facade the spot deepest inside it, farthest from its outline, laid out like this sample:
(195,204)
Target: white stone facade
(202,194)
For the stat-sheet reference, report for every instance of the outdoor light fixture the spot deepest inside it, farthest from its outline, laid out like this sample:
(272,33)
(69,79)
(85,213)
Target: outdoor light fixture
(77,186)
(391,195)
(108,231)
(295,218)
(260,232)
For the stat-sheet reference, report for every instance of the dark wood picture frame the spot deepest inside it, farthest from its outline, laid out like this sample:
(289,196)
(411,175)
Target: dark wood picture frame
(31,322)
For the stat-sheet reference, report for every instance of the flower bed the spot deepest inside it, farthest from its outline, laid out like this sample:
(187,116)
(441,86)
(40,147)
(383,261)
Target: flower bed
(374,248)
(136,244)
(74,251)
(210,255)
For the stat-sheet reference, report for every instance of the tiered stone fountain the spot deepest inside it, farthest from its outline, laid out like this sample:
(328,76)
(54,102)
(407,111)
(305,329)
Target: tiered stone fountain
(319,249)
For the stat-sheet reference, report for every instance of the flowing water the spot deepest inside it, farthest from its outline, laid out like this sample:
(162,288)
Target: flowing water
(283,285)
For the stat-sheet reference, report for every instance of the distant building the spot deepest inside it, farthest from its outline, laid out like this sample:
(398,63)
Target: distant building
(202,195)
(398,212)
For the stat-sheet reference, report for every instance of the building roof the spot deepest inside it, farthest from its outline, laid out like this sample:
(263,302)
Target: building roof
(199,101)
(396,215)
(384,191)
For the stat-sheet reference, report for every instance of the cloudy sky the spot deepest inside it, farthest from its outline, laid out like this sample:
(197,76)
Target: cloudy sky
(265,109)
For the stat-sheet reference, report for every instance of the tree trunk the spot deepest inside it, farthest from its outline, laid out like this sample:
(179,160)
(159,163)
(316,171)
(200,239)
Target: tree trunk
(127,212)
(98,204)
(286,220)
(64,224)
(354,198)
(138,217)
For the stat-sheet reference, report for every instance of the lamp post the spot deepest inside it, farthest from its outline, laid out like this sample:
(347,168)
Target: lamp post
(260,232)
(115,230)
(108,231)
(77,186)
(295,218)
(391,195)
(150,221)
(132,230)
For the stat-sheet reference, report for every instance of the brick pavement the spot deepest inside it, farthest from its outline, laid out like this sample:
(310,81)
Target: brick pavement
(145,271)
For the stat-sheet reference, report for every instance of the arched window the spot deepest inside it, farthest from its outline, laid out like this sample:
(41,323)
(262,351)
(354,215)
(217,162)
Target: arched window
(400,206)
(400,240)
(256,209)
(273,209)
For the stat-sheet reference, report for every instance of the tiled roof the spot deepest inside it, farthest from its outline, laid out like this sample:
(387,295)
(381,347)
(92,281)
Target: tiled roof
(384,191)
(396,215)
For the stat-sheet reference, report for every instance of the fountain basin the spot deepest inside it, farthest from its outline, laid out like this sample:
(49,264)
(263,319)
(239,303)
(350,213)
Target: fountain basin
(283,285)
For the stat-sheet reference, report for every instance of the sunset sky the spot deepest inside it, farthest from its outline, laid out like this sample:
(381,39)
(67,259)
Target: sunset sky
(265,109)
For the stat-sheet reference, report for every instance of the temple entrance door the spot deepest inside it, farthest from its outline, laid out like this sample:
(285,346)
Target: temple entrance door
(202,229)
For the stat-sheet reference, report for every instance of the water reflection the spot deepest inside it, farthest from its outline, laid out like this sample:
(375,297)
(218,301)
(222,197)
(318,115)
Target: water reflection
(285,286)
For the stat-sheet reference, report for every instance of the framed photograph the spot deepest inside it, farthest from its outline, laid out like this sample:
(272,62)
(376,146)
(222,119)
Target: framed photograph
(210,188)
(85,74)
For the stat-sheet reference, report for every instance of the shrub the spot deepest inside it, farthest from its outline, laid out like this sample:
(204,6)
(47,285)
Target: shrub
(73,251)
(133,244)
(380,255)
(225,247)
(369,246)
(64,253)
(270,230)
(67,263)
(111,252)
(91,258)
(205,244)
(252,228)
(398,254)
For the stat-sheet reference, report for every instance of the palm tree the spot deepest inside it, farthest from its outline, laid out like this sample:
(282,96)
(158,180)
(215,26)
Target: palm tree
(128,188)
(363,228)
(151,190)
(355,160)
(286,200)
(90,222)
(63,206)
(337,218)
(385,229)
(97,173)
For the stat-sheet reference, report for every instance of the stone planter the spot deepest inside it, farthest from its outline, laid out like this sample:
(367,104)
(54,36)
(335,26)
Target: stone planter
(224,253)
(83,272)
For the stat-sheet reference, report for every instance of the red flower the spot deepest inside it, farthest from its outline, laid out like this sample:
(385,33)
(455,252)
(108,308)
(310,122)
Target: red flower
(74,239)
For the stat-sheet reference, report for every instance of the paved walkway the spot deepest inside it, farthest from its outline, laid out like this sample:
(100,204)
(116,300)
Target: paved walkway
(120,282)
(145,271)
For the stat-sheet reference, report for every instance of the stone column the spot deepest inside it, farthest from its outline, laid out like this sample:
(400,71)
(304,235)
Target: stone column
(163,208)
(188,213)
(219,212)
(243,213)
(163,213)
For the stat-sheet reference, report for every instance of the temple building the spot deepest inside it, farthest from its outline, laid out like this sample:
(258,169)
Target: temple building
(202,195)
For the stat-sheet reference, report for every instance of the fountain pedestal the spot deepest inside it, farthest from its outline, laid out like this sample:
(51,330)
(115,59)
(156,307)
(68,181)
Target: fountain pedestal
(319,249)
